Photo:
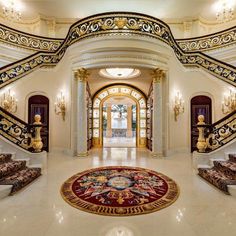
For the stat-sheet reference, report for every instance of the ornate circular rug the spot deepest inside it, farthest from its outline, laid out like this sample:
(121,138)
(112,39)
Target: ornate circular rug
(119,191)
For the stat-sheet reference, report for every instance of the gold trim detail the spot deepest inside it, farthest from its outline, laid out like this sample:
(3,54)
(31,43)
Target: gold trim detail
(118,24)
(82,75)
(213,41)
(28,41)
(157,75)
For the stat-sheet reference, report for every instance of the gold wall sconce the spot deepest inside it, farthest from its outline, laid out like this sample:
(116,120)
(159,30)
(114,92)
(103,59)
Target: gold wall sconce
(60,106)
(229,102)
(178,105)
(9,102)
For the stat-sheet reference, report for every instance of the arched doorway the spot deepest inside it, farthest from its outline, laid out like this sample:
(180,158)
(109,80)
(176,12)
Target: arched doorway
(119,122)
(120,90)
(39,104)
(200,105)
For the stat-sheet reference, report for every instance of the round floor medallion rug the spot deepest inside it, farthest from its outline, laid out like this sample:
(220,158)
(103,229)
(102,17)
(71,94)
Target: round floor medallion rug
(119,191)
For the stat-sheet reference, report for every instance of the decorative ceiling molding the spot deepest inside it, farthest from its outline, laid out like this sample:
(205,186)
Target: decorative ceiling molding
(124,24)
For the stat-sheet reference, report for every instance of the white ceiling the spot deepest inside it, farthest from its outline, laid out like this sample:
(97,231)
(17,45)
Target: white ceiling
(142,82)
(163,9)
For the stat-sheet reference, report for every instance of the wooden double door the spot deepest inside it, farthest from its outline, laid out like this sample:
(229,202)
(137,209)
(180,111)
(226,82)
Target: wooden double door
(200,105)
(39,104)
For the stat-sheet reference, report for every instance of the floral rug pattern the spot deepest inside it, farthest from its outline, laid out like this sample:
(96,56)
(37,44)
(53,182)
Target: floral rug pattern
(120,191)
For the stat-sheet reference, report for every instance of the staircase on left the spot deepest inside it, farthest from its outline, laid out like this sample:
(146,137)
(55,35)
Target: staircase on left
(15,174)
(23,159)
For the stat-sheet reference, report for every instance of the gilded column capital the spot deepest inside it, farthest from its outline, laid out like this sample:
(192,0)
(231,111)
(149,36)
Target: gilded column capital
(157,75)
(81,75)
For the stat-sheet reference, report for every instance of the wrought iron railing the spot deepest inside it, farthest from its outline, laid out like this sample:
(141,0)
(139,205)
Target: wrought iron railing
(36,43)
(122,24)
(208,42)
(20,133)
(29,41)
(214,136)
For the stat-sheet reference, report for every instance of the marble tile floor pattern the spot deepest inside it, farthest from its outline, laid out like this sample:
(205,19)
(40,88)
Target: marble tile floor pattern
(119,142)
(39,210)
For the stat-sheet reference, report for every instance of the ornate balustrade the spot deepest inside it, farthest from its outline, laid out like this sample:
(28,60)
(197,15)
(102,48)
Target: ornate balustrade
(213,41)
(212,137)
(29,41)
(38,43)
(118,24)
(20,133)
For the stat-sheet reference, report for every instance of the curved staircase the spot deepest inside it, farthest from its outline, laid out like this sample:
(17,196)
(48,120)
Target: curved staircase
(222,174)
(15,174)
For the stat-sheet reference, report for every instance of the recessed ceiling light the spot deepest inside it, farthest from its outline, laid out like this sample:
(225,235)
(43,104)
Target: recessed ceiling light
(119,73)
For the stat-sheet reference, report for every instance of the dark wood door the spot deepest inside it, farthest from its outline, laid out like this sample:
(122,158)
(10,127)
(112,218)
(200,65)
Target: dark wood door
(200,105)
(39,104)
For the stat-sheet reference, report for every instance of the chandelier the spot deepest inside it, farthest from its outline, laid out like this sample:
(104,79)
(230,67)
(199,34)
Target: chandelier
(12,9)
(225,11)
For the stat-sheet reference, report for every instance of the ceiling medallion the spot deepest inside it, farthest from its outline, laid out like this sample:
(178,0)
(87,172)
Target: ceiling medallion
(119,73)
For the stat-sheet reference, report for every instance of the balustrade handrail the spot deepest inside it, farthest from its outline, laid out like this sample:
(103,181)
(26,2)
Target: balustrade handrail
(118,23)
(28,41)
(216,135)
(20,133)
(208,42)
(33,42)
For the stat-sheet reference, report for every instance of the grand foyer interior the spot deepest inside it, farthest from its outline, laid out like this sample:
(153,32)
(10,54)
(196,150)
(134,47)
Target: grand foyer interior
(93,116)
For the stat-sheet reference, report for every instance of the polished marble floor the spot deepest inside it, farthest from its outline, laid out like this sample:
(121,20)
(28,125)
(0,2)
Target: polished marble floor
(119,142)
(39,210)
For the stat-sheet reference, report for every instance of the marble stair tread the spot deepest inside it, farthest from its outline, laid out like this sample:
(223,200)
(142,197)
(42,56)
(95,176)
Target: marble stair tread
(232,190)
(27,160)
(21,178)
(227,164)
(217,178)
(5,190)
(204,166)
(216,159)
(10,167)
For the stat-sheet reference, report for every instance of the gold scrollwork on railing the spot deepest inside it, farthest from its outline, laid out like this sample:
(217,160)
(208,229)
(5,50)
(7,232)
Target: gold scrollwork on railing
(39,43)
(218,134)
(209,42)
(118,23)
(20,133)
(28,41)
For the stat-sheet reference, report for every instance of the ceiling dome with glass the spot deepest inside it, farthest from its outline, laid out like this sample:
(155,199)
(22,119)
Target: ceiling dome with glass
(119,73)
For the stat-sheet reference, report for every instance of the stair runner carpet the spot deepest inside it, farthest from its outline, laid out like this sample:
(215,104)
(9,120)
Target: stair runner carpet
(222,173)
(16,173)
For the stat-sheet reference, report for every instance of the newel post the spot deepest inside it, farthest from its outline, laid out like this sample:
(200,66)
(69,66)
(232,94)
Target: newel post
(37,140)
(201,142)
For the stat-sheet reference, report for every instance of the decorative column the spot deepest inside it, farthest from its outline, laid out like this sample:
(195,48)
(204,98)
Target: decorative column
(81,76)
(157,143)
(37,140)
(129,132)
(109,130)
(201,141)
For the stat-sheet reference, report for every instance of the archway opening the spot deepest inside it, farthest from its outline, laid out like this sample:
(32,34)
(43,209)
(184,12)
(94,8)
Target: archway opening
(136,99)
(119,122)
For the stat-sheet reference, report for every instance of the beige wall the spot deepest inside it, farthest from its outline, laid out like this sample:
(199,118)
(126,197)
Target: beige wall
(50,82)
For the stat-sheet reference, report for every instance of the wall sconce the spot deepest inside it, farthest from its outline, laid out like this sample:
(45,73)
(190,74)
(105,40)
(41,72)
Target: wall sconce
(60,106)
(9,102)
(178,105)
(229,102)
